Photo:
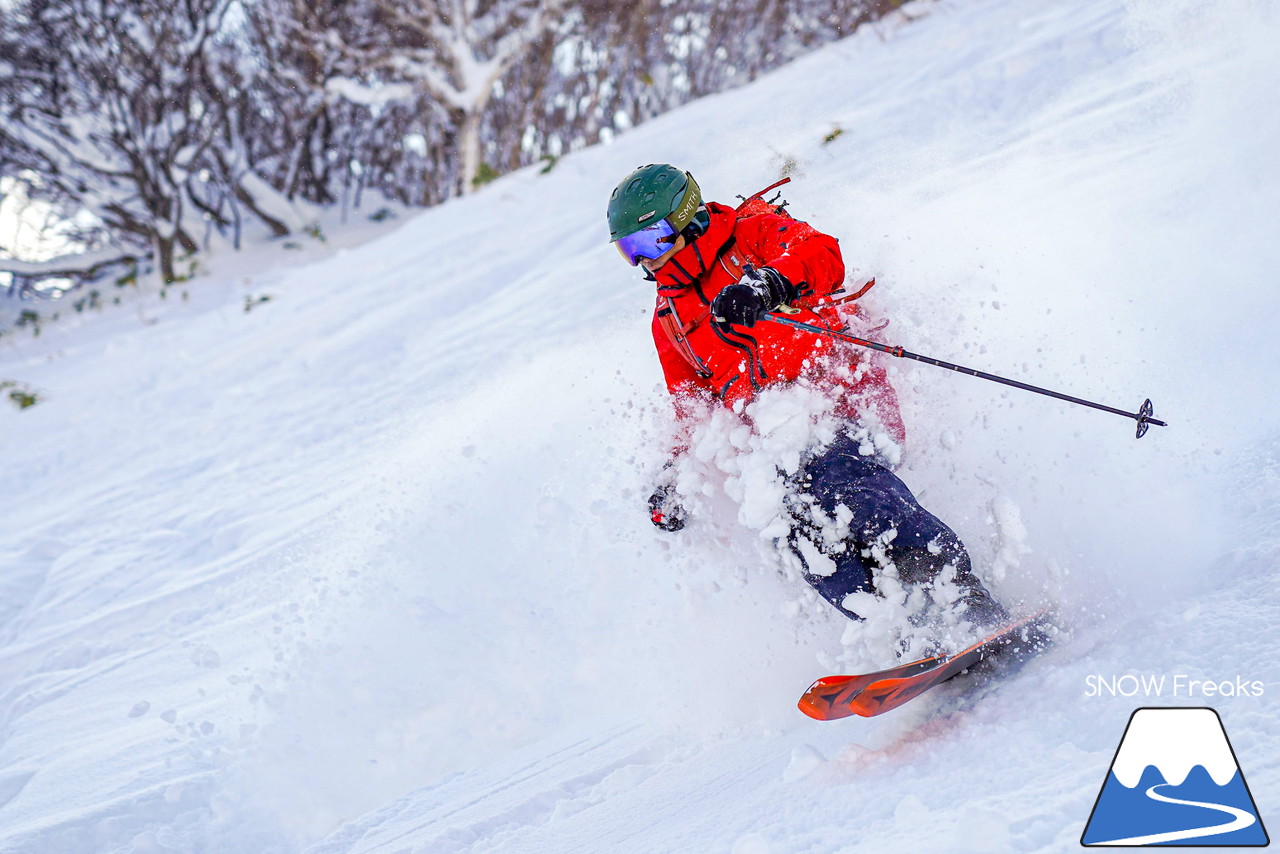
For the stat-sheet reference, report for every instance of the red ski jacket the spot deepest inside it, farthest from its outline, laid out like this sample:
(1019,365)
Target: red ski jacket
(698,357)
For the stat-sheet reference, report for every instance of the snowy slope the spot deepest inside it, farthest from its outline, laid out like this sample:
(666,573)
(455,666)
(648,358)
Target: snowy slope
(366,568)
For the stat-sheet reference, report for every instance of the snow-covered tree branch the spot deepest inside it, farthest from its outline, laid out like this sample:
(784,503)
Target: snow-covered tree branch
(109,103)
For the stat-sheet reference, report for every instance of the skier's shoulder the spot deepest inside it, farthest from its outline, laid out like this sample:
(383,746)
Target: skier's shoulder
(760,218)
(750,214)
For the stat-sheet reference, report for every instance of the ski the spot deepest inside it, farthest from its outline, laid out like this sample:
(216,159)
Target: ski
(871,694)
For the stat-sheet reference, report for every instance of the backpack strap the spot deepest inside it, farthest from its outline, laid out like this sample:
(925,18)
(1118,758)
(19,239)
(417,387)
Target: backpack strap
(677,331)
(760,194)
(733,259)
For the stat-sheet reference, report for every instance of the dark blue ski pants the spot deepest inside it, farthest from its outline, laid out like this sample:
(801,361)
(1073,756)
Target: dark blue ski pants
(922,548)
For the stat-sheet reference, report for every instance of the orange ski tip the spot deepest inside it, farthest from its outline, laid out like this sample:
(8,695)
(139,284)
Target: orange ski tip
(812,709)
(820,708)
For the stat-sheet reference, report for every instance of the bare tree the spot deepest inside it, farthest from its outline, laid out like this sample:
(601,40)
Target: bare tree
(109,109)
(454,52)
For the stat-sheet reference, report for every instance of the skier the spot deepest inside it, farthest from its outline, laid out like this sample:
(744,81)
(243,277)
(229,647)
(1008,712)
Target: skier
(717,270)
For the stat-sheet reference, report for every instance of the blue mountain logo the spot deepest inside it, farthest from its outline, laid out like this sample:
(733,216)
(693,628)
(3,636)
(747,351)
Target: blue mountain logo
(1175,781)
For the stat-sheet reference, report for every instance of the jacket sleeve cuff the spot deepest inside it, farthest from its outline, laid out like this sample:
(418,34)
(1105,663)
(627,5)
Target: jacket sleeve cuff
(789,267)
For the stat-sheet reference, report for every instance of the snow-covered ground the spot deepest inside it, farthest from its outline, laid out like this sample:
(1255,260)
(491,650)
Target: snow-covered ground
(366,568)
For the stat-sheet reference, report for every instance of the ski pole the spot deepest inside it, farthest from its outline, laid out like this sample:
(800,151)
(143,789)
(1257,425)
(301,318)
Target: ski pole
(1142,416)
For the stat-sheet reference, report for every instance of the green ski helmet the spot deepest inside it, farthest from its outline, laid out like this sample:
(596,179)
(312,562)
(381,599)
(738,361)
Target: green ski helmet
(646,198)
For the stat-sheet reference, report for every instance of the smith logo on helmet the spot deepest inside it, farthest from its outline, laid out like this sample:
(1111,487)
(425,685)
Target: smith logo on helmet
(685,212)
(643,217)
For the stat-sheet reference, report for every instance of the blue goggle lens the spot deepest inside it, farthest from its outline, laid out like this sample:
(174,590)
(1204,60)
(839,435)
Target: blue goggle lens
(649,242)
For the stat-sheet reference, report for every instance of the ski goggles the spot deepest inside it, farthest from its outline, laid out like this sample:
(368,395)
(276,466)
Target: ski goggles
(649,242)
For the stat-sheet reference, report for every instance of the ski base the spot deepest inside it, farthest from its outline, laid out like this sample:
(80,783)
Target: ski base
(871,694)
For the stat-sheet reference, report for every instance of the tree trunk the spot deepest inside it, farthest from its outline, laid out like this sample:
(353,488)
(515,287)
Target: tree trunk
(164,257)
(470,144)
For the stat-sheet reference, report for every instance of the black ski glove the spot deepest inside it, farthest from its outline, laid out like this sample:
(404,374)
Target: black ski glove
(665,510)
(759,290)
